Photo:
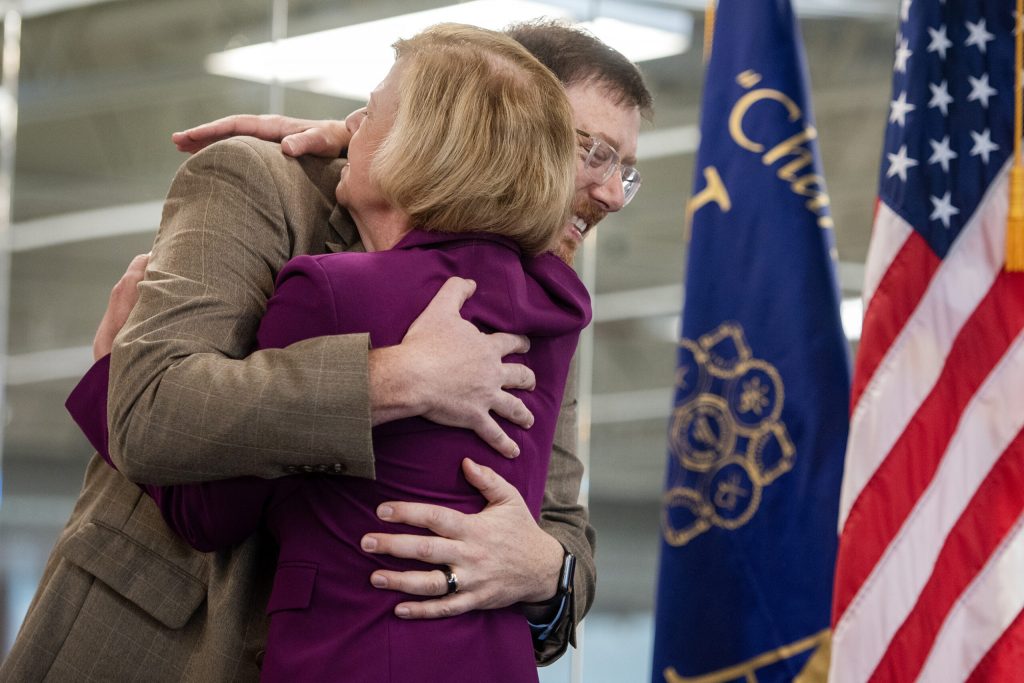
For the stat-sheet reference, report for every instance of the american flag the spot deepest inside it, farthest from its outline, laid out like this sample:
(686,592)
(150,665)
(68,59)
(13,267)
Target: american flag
(930,573)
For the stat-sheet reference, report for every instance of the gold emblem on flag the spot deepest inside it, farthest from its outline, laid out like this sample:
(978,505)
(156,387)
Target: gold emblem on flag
(726,435)
(815,669)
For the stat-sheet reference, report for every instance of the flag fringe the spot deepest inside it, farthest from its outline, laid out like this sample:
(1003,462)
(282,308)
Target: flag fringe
(1015,220)
(709,28)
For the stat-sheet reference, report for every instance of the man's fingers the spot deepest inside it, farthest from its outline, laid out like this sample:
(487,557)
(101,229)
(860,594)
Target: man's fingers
(495,437)
(507,343)
(514,410)
(493,487)
(441,608)
(453,294)
(430,549)
(516,376)
(429,583)
(441,520)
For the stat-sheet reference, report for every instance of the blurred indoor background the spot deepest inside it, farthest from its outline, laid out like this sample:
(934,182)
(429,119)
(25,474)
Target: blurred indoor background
(102,84)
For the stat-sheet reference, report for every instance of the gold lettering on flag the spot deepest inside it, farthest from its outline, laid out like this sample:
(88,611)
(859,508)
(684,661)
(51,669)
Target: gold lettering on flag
(810,185)
(714,192)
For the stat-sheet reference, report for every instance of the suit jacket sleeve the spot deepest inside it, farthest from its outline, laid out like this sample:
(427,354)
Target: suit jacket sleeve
(190,399)
(209,516)
(564,518)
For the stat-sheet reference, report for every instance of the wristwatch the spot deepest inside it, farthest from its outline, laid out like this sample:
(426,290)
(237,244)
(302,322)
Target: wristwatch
(565,577)
(563,598)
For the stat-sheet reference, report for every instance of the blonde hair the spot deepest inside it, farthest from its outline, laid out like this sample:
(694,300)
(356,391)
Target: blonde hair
(483,139)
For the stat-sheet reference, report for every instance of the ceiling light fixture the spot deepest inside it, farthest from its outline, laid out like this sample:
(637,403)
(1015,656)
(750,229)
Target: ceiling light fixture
(351,60)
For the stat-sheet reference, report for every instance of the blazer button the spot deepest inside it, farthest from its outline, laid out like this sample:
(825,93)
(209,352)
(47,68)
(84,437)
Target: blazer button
(338,468)
(321,468)
(291,469)
(307,468)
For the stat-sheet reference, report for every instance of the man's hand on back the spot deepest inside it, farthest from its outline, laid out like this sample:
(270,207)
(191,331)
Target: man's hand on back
(449,372)
(499,555)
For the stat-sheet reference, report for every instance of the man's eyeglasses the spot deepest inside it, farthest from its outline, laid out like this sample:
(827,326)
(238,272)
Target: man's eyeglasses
(602,161)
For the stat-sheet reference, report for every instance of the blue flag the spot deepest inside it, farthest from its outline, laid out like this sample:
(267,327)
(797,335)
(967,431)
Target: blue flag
(758,432)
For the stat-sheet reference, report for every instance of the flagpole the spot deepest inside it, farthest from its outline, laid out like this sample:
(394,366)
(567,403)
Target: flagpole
(585,400)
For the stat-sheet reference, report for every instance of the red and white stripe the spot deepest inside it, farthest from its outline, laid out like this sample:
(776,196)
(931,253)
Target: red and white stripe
(930,573)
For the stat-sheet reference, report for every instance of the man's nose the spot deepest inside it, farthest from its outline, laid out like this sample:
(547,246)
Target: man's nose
(609,194)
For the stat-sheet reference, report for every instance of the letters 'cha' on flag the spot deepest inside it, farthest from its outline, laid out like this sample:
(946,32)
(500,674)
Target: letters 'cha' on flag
(758,431)
(930,572)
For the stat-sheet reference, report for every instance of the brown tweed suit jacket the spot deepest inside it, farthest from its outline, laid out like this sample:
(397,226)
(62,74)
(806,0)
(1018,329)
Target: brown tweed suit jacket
(121,597)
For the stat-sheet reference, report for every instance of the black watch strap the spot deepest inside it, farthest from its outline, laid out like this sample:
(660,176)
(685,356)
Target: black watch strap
(563,598)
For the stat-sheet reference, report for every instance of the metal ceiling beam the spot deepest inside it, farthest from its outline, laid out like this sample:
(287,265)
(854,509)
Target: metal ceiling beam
(127,219)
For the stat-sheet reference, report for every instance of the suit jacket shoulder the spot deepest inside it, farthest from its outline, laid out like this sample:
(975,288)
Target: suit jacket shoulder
(189,400)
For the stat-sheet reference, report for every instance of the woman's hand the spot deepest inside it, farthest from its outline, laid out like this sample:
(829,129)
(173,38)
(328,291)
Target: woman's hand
(324,138)
(122,300)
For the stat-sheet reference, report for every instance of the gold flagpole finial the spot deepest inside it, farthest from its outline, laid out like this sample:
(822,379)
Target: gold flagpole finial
(709,28)
(1015,221)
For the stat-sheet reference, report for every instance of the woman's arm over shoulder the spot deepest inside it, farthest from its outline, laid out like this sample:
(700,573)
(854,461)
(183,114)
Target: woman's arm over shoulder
(213,515)
(87,405)
(302,306)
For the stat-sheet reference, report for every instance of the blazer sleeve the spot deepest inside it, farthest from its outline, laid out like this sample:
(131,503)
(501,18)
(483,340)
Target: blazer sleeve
(566,519)
(190,399)
(209,516)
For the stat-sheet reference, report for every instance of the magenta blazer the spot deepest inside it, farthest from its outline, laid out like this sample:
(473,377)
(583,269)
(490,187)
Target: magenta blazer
(326,622)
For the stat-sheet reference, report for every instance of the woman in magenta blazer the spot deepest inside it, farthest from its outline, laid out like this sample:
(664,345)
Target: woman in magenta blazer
(461,164)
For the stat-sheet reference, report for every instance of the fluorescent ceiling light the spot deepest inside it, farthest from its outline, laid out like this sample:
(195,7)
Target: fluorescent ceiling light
(351,60)
(638,43)
(851,312)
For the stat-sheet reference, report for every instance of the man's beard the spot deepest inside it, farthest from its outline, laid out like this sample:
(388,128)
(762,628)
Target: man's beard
(591,214)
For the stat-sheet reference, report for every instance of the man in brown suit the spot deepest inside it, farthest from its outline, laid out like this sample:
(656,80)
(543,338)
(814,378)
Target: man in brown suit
(121,597)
